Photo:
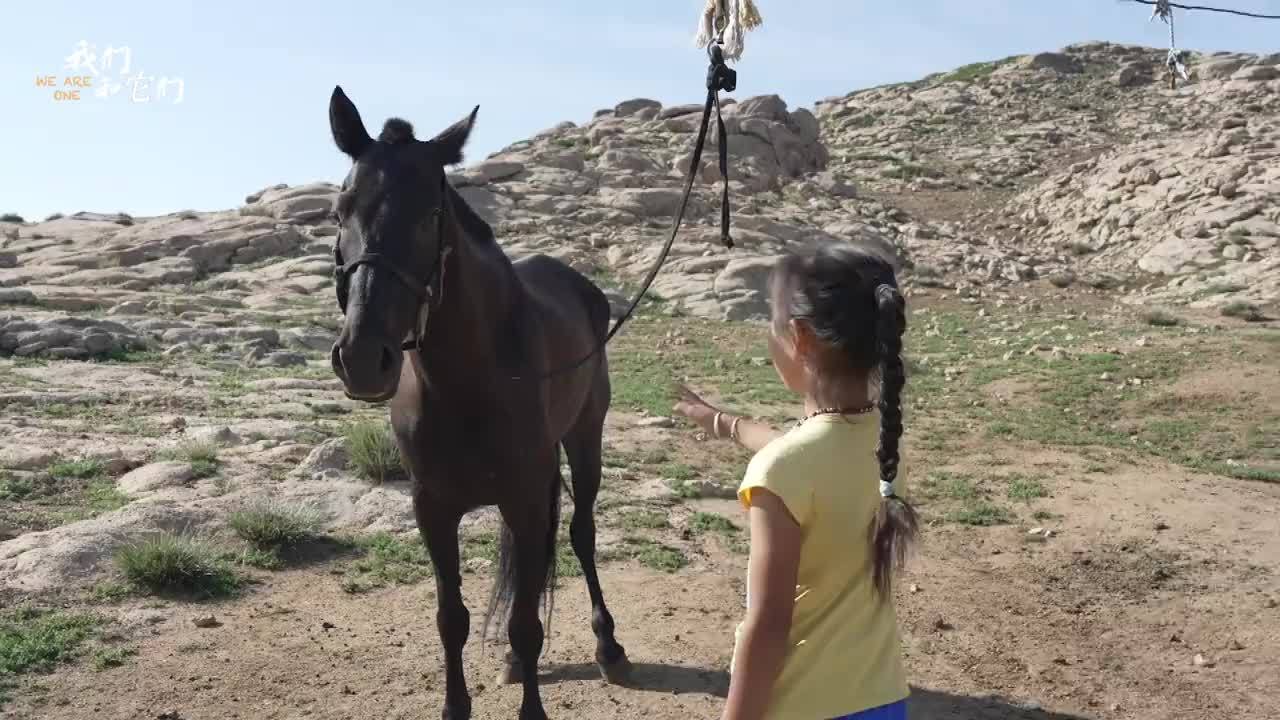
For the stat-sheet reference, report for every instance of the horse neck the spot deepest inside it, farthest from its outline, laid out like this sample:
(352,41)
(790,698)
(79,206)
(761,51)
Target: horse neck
(467,330)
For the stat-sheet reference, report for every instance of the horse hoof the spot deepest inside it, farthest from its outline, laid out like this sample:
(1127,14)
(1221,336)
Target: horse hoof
(616,673)
(510,674)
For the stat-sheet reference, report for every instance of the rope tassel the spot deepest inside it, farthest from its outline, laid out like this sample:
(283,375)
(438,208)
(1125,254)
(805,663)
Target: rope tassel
(727,22)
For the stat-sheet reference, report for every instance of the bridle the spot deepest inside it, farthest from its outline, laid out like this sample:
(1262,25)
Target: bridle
(428,294)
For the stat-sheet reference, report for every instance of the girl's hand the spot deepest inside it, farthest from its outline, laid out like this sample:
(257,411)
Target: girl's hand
(696,409)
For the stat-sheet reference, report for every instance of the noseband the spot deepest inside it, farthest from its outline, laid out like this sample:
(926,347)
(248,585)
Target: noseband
(428,294)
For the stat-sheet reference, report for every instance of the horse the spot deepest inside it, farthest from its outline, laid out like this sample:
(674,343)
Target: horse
(463,344)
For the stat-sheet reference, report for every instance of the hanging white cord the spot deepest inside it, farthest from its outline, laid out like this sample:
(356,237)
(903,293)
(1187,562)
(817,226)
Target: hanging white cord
(727,22)
(1174,62)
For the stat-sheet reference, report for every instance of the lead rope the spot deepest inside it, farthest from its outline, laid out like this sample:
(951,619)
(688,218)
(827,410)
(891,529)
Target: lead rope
(740,14)
(1173,62)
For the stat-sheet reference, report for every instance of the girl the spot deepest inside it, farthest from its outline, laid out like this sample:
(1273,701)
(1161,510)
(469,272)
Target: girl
(820,637)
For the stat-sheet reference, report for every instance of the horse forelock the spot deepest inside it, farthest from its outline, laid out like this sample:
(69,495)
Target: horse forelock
(396,131)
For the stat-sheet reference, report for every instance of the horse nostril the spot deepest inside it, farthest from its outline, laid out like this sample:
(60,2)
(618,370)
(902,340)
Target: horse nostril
(388,358)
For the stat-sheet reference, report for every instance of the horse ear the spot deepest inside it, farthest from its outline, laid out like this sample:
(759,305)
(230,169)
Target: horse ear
(450,141)
(344,121)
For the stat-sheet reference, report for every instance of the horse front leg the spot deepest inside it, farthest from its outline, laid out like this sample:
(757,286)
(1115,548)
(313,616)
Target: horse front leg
(439,529)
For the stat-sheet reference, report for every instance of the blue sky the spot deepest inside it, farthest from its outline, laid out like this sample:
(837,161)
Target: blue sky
(257,76)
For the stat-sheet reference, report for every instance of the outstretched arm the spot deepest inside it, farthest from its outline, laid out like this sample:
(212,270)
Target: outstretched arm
(751,434)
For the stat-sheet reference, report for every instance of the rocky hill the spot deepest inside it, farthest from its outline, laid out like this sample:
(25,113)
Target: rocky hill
(1074,167)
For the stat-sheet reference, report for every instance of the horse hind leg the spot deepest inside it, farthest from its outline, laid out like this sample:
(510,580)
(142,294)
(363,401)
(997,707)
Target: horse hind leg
(584,448)
(530,526)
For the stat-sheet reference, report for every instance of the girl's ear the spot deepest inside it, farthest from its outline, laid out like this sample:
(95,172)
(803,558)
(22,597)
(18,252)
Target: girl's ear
(802,340)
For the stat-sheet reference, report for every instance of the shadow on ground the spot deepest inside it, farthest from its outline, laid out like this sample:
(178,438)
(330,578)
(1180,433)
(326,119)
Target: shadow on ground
(925,704)
(928,704)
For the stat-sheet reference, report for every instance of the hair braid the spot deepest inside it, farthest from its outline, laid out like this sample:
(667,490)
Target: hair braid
(895,525)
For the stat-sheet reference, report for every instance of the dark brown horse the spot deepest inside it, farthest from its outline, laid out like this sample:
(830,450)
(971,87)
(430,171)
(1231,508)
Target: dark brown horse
(440,322)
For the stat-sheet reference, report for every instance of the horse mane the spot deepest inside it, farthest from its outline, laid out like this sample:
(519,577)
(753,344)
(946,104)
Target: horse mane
(471,222)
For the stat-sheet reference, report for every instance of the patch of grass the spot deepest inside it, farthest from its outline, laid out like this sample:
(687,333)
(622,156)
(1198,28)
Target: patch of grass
(949,485)
(1243,311)
(124,219)
(643,520)
(14,488)
(201,455)
(270,525)
(905,170)
(111,657)
(1045,515)
(111,591)
(683,490)
(373,451)
(84,469)
(267,558)
(656,555)
(1026,489)
(103,496)
(386,560)
(980,513)
(1224,288)
(12,218)
(171,563)
(1161,318)
(33,640)
(705,522)
(54,216)
(972,72)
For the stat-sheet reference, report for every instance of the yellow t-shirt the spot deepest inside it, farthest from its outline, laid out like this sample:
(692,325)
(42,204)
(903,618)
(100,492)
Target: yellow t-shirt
(844,655)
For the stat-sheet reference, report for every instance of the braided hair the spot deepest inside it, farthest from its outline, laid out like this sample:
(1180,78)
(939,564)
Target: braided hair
(849,297)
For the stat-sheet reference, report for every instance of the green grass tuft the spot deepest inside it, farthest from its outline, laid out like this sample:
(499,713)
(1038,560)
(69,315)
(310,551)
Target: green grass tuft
(373,451)
(1161,318)
(980,513)
(270,525)
(12,488)
(201,455)
(107,658)
(34,640)
(171,563)
(651,554)
(386,560)
(705,522)
(1243,311)
(1026,489)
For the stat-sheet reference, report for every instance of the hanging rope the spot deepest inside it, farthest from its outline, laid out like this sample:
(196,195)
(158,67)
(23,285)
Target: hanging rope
(1227,11)
(1177,69)
(727,22)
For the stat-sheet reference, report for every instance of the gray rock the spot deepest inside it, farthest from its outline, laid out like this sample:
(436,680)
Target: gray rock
(836,185)
(155,476)
(678,111)
(283,359)
(8,260)
(742,288)
(632,107)
(645,202)
(1057,62)
(16,296)
(331,455)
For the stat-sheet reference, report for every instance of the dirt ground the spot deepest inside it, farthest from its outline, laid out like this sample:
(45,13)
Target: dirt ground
(1153,593)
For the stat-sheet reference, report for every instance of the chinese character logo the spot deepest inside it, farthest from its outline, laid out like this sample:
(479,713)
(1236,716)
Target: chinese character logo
(109,74)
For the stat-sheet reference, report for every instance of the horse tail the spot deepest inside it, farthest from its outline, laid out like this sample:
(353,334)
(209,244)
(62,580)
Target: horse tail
(553,535)
(502,594)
